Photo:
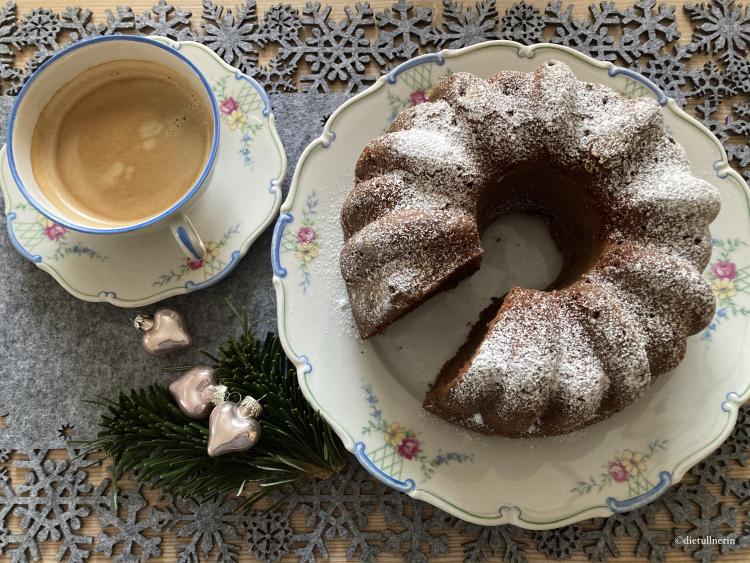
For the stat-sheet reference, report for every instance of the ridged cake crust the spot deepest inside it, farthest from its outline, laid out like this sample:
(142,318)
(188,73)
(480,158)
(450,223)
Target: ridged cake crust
(623,208)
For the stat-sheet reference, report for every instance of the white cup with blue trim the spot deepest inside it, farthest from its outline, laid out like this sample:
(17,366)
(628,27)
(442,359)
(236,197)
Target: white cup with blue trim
(116,136)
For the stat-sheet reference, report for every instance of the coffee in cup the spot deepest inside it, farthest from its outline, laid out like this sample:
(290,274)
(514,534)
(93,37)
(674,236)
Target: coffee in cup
(121,143)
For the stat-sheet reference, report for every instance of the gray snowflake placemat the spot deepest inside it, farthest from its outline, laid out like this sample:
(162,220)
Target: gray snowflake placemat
(56,350)
(52,497)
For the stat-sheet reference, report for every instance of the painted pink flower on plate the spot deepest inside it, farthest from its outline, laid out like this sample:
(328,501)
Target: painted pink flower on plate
(724,270)
(228,105)
(193,264)
(618,472)
(54,231)
(418,97)
(409,447)
(306,235)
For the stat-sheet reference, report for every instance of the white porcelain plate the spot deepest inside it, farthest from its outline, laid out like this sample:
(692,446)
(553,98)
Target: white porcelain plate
(242,200)
(371,391)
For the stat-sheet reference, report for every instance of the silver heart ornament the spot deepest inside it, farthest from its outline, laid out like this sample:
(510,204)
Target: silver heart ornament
(196,391)
(163,333)
(233,427)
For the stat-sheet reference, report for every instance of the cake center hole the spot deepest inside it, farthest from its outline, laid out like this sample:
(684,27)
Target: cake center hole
(538,232)
(562,199)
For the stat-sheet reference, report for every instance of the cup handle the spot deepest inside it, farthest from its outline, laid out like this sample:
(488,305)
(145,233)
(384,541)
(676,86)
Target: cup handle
(187,237)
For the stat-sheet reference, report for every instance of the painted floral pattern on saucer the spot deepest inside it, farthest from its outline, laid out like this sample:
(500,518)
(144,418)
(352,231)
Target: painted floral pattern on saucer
(728,280)
(46,239)
(238,110)
(402,444)
(210,263)
(241,201)
(629,468)
(305,241)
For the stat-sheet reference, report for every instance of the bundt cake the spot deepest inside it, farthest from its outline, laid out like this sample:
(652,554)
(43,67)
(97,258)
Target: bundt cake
(624,210)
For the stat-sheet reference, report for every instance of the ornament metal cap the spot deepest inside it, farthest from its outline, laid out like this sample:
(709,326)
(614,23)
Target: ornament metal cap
(250,407)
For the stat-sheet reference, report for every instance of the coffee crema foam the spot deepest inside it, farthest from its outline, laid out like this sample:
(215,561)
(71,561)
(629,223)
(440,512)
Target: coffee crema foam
(121,143)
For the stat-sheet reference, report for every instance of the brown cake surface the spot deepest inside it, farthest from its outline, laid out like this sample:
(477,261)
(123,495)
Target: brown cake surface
(622,206)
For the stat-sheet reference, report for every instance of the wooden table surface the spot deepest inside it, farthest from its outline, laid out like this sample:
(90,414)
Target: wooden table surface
(337,548)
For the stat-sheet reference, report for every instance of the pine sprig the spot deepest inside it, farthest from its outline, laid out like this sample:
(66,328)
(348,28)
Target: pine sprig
(146,435)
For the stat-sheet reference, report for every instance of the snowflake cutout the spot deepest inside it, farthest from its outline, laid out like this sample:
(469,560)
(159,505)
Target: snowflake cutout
(77,22)
(419,528)
(646,29)
(738,73)
(724,28)
(710,82)
(716,469)
(269,535)
(593,35)
(122,19)
(334,51)
(11,38)
(233,34)
(399,26)
(338,506)
(210,525)
(51,504)
(282,22)
(740,153)
(40,28)
(522,22)
(506,542)
(668,72)
(470,26)
(275,77)
(739,126)
(167,21)
(695,506)
(600,543)
(559,543)
(129,531)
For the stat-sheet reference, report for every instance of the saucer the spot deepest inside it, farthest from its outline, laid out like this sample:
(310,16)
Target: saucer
(242,200)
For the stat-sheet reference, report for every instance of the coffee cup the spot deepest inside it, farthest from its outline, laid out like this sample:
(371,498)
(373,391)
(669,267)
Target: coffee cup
(116,136)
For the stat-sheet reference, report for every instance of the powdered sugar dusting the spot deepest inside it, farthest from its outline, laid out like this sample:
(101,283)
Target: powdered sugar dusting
(551,361)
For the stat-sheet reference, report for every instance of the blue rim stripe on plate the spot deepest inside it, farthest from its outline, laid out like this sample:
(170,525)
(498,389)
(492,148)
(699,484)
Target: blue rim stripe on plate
(330,138)
(665,481)
(661,97)
(258,88)
(436,58)
(308,366)
(64,53)
(278,232)
(403,486)
(35,258)
(731,396)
